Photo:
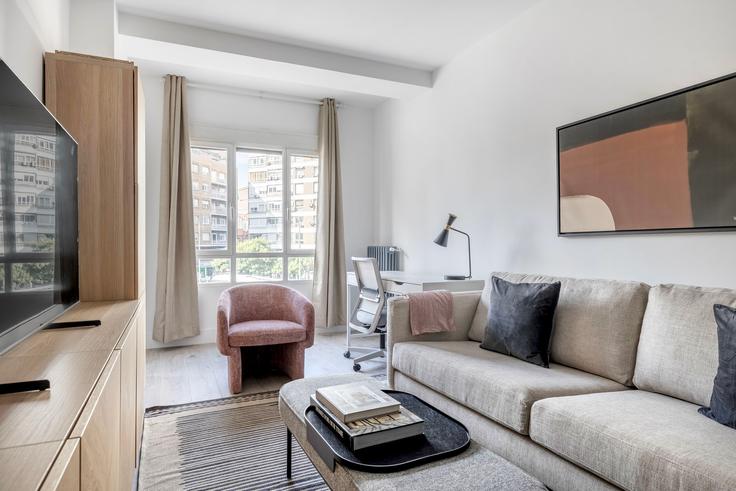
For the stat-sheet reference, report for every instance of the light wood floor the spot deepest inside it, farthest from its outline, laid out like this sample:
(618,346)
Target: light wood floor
(197,373)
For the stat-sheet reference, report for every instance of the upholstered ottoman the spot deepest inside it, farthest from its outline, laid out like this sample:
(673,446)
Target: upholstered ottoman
(475,469)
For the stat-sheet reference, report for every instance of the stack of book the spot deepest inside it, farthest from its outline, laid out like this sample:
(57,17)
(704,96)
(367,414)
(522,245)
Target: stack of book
(363,417)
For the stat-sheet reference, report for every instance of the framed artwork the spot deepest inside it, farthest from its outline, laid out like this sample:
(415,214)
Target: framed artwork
(663,165)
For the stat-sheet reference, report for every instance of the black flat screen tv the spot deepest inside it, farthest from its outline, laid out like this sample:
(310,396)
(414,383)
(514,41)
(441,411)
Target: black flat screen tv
(39,258)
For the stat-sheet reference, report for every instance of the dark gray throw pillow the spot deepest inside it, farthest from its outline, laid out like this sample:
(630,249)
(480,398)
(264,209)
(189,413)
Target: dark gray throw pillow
(520,319)
(723,400)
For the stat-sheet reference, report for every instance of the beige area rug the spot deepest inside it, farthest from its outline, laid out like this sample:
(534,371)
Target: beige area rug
(234,443)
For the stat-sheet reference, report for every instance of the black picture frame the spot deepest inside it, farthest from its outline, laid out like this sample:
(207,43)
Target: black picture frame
(560,233)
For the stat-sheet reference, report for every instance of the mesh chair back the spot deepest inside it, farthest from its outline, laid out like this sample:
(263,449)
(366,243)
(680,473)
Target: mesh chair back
(369,310)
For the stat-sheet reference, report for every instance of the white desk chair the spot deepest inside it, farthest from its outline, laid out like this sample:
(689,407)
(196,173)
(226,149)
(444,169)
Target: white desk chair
(368,317)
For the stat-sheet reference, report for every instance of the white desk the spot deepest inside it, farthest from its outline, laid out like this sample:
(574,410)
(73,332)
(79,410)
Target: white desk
(398,283)
(401,283)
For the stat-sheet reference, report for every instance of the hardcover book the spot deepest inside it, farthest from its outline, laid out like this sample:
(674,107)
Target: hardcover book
(372,431)
(351,402)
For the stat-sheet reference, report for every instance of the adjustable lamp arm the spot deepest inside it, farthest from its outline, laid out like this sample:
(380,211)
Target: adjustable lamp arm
(470,266)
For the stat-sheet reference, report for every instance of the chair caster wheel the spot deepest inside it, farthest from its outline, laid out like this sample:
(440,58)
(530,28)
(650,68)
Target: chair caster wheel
(346,354)
(356,367)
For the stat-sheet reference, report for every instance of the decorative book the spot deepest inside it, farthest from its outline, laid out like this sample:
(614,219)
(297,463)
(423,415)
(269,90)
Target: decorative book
(372,431)
(351,402)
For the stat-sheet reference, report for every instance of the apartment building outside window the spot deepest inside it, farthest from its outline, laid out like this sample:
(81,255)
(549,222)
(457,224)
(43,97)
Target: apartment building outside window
(255,213)
(28,193)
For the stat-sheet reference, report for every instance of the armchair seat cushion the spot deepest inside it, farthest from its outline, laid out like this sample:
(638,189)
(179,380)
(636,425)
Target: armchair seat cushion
(497,386)
(265,332)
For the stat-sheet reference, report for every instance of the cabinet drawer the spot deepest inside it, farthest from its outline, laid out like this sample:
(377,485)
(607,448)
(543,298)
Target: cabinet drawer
(400,288)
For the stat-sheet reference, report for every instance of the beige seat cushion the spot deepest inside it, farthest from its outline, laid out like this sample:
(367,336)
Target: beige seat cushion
(498,386)
(597,323)
(678,350)
(639,440)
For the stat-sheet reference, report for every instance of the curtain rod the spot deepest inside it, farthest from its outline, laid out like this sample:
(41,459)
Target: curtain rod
(256,93)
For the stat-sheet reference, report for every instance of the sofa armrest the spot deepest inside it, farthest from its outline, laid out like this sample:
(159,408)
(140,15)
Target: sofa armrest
(464,305)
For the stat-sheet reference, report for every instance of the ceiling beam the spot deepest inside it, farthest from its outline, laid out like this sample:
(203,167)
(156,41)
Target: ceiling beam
(150,39)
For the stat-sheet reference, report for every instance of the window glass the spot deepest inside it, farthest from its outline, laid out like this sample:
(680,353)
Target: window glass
(251,269)
(304,176)
(210,198)
(301,268)
(260,193)
(213,270)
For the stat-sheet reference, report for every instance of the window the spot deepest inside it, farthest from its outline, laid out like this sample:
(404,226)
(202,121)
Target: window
(209,161)
(251,228)
(304,178)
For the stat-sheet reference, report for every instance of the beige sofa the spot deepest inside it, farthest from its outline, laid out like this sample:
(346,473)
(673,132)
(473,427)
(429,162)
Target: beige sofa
(617,408)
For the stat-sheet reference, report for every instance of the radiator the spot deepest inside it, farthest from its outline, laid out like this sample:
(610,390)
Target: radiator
(387,257)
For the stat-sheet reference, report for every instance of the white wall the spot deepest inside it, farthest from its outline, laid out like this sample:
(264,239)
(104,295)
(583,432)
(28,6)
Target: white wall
(93,27)
(482,145)
(28,28)
(219,116)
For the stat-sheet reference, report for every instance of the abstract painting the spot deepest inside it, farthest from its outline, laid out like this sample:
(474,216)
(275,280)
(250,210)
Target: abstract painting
(667,164)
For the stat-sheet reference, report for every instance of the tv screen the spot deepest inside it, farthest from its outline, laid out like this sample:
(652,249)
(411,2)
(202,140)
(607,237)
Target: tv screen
(38,213)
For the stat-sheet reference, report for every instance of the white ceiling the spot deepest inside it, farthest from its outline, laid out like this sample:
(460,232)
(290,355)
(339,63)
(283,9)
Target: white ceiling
(422,34)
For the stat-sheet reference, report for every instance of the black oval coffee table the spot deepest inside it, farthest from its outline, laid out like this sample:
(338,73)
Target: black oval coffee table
(443,437)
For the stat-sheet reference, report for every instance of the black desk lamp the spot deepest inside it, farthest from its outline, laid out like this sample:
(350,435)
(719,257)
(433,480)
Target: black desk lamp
(441,240)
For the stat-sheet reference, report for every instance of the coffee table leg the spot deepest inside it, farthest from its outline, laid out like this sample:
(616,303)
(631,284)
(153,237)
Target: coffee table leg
(288,453)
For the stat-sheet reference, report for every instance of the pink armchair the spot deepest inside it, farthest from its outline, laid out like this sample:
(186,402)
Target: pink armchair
(264,315)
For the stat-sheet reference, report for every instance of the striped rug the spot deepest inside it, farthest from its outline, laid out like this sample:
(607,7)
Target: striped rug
(236,443)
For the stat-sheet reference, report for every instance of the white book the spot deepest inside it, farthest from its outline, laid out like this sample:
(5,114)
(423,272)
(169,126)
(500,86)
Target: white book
(357,400)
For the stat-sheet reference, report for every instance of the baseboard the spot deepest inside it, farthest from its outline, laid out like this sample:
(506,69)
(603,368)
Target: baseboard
(330,330)
(205,336)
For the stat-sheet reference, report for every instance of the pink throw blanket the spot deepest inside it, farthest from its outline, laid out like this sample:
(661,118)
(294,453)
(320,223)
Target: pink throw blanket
(431,312)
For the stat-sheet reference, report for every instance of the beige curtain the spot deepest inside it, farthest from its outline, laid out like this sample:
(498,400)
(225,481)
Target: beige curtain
(328,290)
(177,313)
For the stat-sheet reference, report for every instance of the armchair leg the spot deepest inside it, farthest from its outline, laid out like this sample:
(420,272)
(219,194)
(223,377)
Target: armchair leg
(235,371)
(291,360)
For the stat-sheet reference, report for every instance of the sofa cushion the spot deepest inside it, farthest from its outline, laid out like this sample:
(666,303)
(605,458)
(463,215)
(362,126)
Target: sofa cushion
(499,387)
(597,323)
(265,332)
(678,349)
(638,440)
(723,399)
(521,319)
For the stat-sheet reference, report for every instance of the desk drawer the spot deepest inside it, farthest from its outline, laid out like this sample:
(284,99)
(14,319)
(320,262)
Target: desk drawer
(401,288)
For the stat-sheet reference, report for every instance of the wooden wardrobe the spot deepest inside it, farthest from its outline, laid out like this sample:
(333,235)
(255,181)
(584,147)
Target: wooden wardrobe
(92,425)
(100,102)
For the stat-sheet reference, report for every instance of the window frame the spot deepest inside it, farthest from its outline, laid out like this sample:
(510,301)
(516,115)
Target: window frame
(230,252)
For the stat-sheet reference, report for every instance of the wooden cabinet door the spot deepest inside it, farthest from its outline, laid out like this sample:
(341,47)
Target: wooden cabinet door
(128,348)
(98,430)
(94,98)
(140,376)
(64,475)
